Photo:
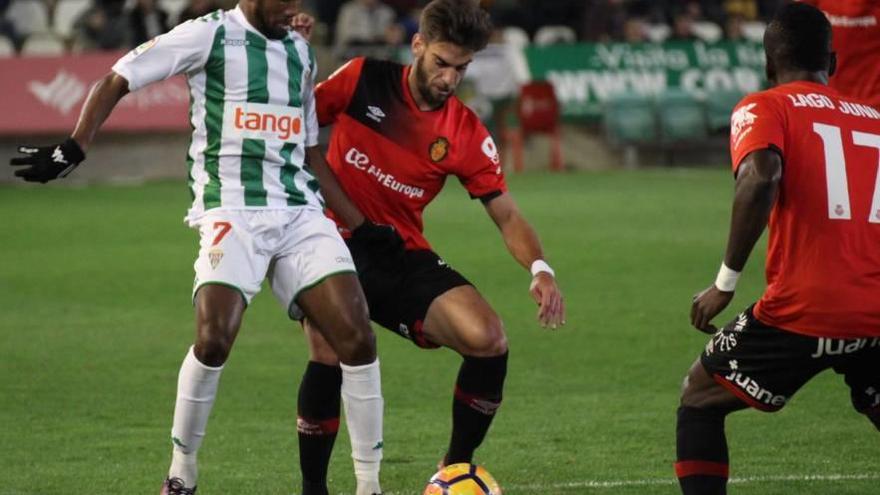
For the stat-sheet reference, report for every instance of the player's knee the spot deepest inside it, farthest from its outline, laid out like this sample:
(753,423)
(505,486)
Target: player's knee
(689,396)
(358,349)
(212,350)
(695,392)
(214,340)
(355,342)
(486,341)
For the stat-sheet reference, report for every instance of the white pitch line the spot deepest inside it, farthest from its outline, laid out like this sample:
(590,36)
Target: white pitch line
(602,484)
(599,484)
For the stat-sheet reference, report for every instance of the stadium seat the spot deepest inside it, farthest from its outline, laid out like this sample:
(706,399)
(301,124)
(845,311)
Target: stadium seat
(629,119)
(754,31)
(681,117)
(43,44)
(66,14)
(707,31)
(7,49)
(515,37)
(537,112)
(553,35)
(719,108)
(29,16)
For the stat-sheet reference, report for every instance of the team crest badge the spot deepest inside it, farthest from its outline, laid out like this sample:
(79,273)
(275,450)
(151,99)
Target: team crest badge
(439,149)
(215,255)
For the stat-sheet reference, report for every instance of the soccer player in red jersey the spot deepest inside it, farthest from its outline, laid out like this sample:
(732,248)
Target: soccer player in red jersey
(398,133)
(806,158)
(856,28)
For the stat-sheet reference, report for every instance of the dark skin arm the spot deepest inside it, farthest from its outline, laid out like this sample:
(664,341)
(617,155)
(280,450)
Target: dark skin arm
(757,186)
(337,199)
(102,99)
(523,244)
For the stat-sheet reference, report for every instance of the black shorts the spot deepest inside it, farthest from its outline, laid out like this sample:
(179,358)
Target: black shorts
(400,289)
(764,366)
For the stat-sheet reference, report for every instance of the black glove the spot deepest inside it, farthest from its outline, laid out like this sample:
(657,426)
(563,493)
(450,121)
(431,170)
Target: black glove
(48,162)
(377,236)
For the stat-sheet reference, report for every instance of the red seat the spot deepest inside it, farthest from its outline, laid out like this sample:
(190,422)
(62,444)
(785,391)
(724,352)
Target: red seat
(538,113)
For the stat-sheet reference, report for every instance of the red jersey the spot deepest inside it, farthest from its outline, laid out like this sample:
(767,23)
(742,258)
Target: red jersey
(823,261)
(390,157)
(855,26)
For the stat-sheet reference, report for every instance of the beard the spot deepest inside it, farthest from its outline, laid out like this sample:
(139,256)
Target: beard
(424,87)
(273,32)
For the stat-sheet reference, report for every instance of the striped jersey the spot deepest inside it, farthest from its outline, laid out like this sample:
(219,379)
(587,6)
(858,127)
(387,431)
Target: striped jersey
(252,110)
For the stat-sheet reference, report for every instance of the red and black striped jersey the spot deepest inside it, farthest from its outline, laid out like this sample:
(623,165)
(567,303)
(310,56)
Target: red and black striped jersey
(391,158)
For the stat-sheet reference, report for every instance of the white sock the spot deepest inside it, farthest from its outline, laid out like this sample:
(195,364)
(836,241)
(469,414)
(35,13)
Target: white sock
(196,390)
(362,398)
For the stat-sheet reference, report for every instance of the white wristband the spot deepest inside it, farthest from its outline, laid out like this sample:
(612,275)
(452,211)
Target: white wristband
(539,266)
(726,279)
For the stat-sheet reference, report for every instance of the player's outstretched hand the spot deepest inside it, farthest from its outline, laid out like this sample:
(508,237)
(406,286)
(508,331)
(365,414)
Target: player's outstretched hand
(48,162)
(551,307)
(707,304)
(303,24)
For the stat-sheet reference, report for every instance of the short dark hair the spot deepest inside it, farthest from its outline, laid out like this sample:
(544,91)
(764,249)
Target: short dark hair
(799,38)
(460,22)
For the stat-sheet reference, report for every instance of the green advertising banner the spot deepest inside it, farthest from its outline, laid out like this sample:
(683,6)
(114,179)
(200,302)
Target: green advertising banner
(586,74)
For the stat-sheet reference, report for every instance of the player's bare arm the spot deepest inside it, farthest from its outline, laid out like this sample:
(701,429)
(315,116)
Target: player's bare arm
(102,99)
(45,163)
(381,237)
(524,245)
(333,194)
(757,185)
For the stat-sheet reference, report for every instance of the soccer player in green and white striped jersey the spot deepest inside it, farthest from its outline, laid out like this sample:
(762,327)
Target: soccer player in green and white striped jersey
(256,204)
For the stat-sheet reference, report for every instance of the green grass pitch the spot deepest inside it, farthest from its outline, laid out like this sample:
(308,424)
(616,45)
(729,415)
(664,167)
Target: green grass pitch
(94,291)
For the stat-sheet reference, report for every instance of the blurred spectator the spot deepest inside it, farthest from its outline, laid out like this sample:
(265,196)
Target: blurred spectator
(196,9)
(402,7)
(733,28)
(603,20)
(147,20)
(745,9)
(327,12)
(635,30)
(364,22)
(7,27)
(410,23)
(767,8)
(104,26)
(682,26)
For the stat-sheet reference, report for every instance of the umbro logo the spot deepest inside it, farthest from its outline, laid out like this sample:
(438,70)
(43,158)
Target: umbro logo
(375,113)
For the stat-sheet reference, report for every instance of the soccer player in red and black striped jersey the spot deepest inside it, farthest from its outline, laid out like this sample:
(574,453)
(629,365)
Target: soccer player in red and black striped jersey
(398,133)
(805,159)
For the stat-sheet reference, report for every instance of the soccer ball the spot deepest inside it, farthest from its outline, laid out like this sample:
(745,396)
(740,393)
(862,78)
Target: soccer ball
(462,479)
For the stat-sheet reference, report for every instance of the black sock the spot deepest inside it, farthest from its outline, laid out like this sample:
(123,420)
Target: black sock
(317,423)
(702,464)
(477,397)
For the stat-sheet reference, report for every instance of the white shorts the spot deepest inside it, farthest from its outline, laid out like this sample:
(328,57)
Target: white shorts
(297,249)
